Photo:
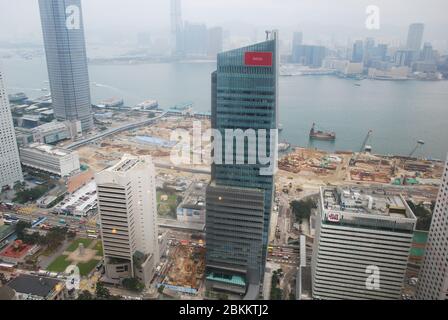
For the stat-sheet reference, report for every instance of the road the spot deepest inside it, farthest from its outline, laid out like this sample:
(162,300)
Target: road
(112,131)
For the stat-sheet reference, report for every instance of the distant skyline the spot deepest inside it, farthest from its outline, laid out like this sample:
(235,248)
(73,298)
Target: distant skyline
(321,21)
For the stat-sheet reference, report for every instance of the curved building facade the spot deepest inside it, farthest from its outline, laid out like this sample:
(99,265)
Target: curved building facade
(63,33)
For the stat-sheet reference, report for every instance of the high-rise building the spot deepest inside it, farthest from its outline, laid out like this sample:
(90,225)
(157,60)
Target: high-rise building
(10,168)
(362,244)
(176,28)
(239,197)
(310,55)
(415,36)
(65,50)
(358,51)
(128,215)
(195,38)
(214,43)
(297,39)
(433,278)
(427,52)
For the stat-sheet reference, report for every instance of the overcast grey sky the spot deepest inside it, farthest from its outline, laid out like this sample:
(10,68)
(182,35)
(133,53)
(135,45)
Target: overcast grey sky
(19,19)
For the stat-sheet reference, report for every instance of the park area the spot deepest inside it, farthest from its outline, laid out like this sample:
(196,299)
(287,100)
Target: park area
(167,204)
(82,252)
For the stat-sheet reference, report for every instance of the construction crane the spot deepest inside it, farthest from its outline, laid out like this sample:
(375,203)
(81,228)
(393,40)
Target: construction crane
(363,148)
(418,145)
(364,144)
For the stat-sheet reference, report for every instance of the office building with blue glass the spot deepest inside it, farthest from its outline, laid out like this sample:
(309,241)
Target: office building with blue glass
(239,197)
(65,50)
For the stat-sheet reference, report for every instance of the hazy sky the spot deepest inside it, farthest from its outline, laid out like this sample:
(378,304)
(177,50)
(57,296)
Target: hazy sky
(19,19)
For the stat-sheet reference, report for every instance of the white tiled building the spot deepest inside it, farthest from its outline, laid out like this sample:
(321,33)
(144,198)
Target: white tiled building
(10,168)
(433,278)
(128,215)
(362,245)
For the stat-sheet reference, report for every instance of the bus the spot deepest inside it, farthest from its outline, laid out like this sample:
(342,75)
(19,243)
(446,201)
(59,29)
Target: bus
(90,231)
(92,236)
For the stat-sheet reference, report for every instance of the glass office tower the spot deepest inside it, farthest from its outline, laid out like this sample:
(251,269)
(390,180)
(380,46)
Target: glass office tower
(239,197)
(65,50)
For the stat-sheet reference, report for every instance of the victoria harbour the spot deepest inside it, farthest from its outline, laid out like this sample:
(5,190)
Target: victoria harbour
(398,112)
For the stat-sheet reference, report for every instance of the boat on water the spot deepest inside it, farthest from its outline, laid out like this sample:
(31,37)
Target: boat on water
(321,135)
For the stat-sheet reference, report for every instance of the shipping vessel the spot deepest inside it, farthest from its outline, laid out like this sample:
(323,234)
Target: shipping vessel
(321,135)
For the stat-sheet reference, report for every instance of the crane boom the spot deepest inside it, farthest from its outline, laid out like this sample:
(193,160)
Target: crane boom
(365,141)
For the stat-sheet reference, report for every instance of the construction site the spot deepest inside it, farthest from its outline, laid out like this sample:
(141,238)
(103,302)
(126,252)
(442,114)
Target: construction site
(186,268)
(151,140)
(305,168)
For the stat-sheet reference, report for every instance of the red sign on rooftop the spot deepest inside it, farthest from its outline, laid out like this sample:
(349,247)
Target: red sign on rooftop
(260,59)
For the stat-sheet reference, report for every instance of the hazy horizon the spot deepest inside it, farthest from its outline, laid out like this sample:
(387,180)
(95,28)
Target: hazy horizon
(321,21)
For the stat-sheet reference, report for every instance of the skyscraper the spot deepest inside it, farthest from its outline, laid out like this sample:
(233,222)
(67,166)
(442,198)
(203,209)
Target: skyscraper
(10,168)
(176,28)
(128,215)
(362,244)
(310,55)
(358,51)
(433,278)
(297,39)
(65,49)
(214,43)
(415,36)
(195,39)
(239,197)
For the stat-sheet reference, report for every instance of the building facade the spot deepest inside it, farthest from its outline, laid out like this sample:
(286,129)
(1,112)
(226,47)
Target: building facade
(415,36)
(362,244)
(310,55)
(65,50)
(44,157)
(128,215)
(433,278)
(10,168)
(239,197)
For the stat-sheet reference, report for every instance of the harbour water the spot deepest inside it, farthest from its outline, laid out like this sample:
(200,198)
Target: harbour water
(399,113)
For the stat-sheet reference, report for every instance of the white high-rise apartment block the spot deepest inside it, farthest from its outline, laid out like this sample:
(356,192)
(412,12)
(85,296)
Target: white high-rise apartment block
(362,245)
(10,168)
(128,214)
(433,278)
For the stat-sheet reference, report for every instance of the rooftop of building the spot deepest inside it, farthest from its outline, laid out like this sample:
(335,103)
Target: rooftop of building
(48,149)
(127,163)
(6,293)
(34,285)
(50,126)
(355,199)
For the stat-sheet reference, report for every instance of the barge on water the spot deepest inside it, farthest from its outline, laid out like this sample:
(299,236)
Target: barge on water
(321,135)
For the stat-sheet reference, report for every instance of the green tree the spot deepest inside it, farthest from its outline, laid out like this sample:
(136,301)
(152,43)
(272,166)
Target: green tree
(101,291)
(133,284)
(85,295)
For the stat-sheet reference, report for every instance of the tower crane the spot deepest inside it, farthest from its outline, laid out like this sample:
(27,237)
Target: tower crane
(363,148)
(418,145)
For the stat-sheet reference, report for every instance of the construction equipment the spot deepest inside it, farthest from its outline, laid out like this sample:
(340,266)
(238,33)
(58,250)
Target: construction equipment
(418,145)
(364,148)
(364,144)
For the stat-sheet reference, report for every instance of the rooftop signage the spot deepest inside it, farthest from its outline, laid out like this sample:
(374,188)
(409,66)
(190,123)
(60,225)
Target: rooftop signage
(258,59)
(333,216)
